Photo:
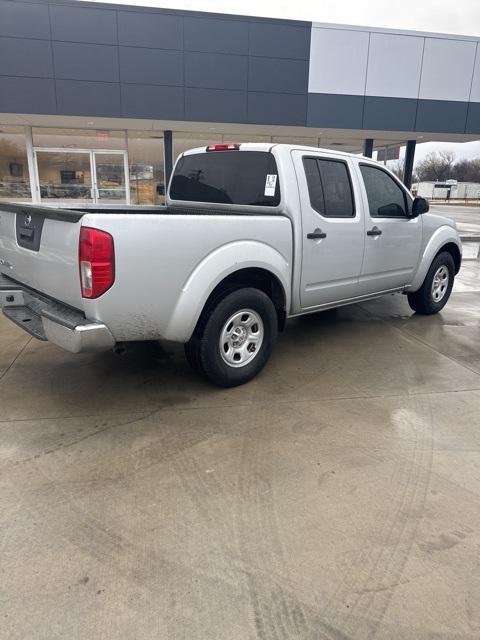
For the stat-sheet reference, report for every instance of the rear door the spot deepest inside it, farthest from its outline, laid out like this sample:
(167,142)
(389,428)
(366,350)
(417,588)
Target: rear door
(332,229)
(392,239)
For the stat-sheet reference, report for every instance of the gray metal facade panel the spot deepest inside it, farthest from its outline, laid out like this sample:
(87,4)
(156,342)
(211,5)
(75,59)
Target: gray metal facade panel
(214,105)
(279,41)
(24,20)
(473,118)
(151,66)
(171,64)
(335,110)
(216,71)
(81,98)
(149,101)
(389,114)
(278,75)
(24,95)
(83,24)
(143,29)
(75,61)
(216,36)
(441,116)
(277,108)
(25,57)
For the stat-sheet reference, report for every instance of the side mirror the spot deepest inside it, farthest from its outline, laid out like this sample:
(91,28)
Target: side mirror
(419,206)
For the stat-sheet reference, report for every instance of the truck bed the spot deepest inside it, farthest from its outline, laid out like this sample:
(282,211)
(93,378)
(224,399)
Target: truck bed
(167,260)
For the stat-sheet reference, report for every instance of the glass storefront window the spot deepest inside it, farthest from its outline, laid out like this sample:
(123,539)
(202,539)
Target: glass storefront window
(14,175)
(110,174)
(146,168)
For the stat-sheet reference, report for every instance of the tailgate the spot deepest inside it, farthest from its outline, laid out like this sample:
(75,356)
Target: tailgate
(39,248)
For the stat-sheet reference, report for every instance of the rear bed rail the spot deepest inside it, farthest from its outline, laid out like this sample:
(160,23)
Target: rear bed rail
(65,215)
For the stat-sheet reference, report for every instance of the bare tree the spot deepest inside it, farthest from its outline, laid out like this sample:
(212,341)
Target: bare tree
(436,166)
(467,170)
(397,167)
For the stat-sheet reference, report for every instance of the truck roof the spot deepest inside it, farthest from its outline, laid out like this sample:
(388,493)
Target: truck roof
(268,146)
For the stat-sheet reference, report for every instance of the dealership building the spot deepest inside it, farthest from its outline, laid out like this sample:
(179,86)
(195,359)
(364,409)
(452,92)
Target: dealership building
(97,100)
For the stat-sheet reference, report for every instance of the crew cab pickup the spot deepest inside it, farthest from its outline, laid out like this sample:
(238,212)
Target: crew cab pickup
(251,235)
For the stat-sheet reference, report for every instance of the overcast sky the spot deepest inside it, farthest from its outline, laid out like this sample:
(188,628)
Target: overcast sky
(460,17)
(447,16)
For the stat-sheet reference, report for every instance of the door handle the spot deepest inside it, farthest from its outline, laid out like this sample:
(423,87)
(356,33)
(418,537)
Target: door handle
(316,235)
(374,232)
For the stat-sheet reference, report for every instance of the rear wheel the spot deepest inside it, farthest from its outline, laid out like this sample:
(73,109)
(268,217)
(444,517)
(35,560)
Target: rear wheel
(435,291)
(234,338)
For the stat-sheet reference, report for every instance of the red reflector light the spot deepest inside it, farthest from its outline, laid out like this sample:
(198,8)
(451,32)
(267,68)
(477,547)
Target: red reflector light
(96,259)
(226,146)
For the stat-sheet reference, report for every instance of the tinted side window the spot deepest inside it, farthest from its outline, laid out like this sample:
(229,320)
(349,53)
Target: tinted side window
(329,187)
(314,183)
(338,190)
(386,199)
(227,177)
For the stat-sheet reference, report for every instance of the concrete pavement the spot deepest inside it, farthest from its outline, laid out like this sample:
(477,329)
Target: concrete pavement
(336,496)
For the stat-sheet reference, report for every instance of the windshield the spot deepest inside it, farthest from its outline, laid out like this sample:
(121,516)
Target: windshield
(227,177)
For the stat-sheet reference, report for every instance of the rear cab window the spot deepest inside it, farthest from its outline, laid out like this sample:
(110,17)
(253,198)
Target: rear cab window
(227,177)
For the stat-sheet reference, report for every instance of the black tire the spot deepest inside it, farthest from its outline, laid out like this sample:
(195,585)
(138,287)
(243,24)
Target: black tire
(422,301)
(203,350)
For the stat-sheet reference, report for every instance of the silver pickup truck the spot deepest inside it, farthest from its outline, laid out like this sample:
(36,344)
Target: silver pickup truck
(251,235)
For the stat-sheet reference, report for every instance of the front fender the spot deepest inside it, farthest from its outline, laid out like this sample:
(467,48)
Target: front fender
(442,236)
(214,268)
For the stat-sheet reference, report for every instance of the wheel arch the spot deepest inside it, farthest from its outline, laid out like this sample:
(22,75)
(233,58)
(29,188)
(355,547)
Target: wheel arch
(454,251)
(444,239)
(257,277)
(249,264)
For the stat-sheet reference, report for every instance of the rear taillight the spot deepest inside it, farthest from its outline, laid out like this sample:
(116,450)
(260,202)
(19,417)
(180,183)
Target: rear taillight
(97,262)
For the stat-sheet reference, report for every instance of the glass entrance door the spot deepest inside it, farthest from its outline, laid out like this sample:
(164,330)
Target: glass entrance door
(82,176)
(65,175)
(110,169)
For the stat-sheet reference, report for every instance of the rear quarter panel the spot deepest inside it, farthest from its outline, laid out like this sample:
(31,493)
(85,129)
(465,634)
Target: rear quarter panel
(167,265)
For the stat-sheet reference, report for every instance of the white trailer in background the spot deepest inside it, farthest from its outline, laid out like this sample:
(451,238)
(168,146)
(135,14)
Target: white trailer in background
(447,190)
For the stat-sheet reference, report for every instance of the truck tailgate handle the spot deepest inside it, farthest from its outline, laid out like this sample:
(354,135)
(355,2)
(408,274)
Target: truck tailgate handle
(316,235)
(374,232)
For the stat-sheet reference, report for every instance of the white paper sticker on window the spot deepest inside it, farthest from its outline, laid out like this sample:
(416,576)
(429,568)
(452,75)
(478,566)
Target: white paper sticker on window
(270,184)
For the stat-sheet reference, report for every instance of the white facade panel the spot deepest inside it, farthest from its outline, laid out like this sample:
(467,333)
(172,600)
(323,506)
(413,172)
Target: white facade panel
(338,61)
(394,65)
(447,69)
(475,94)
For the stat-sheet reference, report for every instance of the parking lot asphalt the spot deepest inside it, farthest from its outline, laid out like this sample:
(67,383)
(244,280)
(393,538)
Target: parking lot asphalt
(466,217)
(337,496)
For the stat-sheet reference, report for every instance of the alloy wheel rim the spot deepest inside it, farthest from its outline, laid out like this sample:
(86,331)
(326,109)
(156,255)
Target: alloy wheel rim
(241,338)
(440,283)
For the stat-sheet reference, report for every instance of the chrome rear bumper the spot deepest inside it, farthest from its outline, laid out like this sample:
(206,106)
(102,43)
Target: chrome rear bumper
(50,320)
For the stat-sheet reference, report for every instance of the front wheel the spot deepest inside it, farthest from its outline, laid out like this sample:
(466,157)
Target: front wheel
(234,339)
(435,291)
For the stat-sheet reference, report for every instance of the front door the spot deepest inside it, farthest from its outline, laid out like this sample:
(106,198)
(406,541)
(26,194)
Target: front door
(110,171)
(65,176)
(77,176)
(333,232)
(393,239)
